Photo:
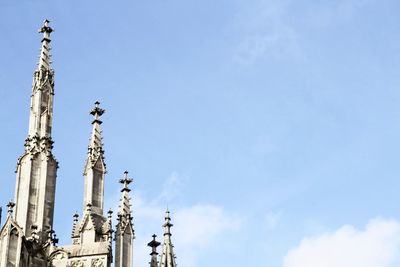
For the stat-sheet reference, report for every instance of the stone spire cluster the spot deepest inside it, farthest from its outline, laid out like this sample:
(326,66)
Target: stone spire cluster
(168,257)
(27,237)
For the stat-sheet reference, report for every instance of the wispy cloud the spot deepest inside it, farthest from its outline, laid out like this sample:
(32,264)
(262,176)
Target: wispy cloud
(266,29)
(171,188)
(276,44)
(378,245)
(264,32)
(272,219)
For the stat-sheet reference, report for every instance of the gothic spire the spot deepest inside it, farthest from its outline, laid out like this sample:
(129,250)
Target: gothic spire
(95,149)
(168,255)
(154,244)
(41,114)
(124,229)
(37,167)
(95,167)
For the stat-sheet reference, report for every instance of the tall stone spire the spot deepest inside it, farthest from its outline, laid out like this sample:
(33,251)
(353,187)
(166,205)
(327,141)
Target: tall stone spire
(124,230)
(92,234)
(168,255)
(37,167)
(95,168)
(154,244)
(40,120)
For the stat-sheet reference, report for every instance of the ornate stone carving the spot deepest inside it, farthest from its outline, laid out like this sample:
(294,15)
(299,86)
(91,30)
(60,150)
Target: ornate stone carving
(36,144)
(78,263)
(97,263)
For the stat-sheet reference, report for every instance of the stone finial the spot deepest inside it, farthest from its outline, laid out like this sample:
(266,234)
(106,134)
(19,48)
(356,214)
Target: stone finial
(167,225)
(97,112)
(46,30)
(55,240)
(154,244)
(76,216)
(10,207)
(125,181)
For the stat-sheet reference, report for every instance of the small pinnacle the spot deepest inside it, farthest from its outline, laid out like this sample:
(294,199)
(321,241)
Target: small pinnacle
(76,216)
(55,240)
(154,244)
(10,206)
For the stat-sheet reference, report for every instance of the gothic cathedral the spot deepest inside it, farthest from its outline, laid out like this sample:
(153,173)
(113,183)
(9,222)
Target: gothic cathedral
(27,237)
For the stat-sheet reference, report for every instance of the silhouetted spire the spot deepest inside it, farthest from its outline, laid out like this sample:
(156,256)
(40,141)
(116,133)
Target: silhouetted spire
(154,244)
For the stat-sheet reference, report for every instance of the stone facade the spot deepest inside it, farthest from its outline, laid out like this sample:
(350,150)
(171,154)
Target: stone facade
(27,237)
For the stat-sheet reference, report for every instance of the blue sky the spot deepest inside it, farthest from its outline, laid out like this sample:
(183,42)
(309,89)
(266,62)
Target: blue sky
(270,128)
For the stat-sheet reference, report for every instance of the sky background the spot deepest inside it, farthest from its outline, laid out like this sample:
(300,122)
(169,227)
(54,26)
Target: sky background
(271,129)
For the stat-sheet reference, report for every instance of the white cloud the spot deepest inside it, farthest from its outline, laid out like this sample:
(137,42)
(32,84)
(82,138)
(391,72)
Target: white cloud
(378,245)
(196,227)
(197,230)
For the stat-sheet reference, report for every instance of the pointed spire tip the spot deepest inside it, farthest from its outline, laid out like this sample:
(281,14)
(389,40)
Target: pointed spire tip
(125,181)
(97,112)
(46,29)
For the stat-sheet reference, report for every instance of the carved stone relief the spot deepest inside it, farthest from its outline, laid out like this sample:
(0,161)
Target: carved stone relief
(97,263)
